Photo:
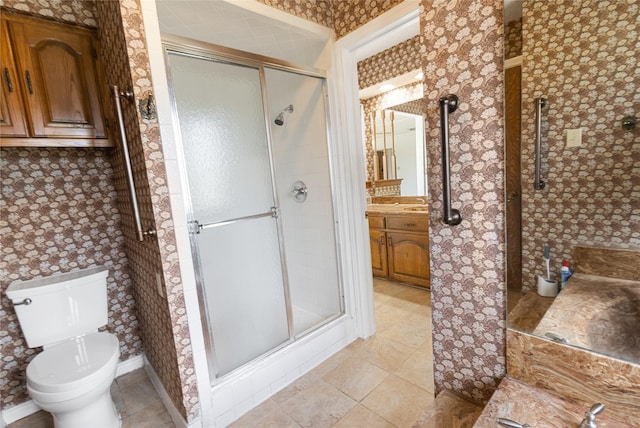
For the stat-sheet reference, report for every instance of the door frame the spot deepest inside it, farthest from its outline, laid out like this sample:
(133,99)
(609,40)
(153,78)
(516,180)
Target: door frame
(394,26)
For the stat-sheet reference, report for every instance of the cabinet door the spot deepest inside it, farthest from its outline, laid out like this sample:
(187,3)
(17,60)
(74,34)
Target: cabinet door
(59,80)
(378,253)
(12,121)
(409,257)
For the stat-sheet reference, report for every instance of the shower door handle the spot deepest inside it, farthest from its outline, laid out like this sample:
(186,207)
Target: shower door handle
(448,104)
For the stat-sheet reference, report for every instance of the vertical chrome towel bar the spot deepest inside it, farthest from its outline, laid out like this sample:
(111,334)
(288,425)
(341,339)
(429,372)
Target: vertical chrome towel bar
(448,104)
(128,95)
(539,183)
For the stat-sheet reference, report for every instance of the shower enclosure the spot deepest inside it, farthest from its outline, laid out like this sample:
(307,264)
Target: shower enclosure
(259,200)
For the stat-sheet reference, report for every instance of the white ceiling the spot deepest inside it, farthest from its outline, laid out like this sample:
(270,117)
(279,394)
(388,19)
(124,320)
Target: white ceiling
(226,24)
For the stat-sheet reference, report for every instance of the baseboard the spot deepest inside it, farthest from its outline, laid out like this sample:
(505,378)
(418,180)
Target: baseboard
(133,363)
(22,410)
(176,416)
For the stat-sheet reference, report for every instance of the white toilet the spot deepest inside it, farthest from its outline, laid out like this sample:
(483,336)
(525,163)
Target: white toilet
(72,377)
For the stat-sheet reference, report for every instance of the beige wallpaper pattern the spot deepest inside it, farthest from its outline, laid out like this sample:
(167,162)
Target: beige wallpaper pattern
(163,321)
(318,11)
(591,80)
(513,39)
(352,14)
(69,11)
(467,260)
(393,62)
(59,213)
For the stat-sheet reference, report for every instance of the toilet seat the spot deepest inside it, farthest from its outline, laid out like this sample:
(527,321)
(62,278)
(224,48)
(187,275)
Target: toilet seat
(74,367)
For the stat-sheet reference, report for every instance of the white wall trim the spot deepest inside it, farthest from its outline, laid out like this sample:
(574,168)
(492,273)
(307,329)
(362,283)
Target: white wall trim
(22,410)
(398,24)
(176,416)
(285,17)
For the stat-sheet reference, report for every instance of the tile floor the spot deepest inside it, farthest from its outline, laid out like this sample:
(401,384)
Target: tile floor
(385,381)
(136,399)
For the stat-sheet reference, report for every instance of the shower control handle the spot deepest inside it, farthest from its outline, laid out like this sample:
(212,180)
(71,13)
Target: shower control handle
(299,191)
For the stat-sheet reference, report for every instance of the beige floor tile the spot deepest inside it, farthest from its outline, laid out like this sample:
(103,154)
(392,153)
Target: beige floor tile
(418,370)
(361,417)
(267,415)
(356,378)
(415,295)
(136,396)
(338,358)
(298,386)
(398,401)
(39,419)
(154,415)
(319,406)
(412,333)
(387,354)
(382,287)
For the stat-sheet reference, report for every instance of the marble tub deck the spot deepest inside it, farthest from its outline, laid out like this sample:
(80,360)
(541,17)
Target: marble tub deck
(597,313)
(525,404)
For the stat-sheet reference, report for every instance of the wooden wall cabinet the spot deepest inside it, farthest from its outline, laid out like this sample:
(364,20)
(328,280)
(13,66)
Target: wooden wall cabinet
(400,247)
(53,90)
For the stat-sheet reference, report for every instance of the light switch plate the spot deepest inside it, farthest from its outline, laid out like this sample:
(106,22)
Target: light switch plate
(574,137)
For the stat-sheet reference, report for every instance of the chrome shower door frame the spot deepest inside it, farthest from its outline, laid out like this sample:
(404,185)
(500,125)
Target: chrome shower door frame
(210,52)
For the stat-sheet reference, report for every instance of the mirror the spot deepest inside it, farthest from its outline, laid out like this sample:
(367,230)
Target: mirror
(581,56)
(400,150)
(391,98)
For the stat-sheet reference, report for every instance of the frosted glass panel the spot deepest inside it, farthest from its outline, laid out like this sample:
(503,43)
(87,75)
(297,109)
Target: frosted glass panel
(224,137)
(244,291)
(300,151)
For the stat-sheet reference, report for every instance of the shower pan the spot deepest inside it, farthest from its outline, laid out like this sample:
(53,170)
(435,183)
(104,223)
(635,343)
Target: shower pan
(265,262)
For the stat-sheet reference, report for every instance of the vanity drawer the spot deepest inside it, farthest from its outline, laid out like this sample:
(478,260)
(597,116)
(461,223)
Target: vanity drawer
(376,221)
(408,223)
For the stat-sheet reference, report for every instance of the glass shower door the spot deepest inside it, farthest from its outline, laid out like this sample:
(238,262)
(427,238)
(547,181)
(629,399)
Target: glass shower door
(226,155)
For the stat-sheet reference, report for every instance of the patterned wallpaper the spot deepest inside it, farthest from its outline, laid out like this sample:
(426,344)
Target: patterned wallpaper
(351,14)
(389,99)
(163,320)
(70,11)
(58,213)
(318,11)
(591,80)
(393,62)
(513,39)
(467,261)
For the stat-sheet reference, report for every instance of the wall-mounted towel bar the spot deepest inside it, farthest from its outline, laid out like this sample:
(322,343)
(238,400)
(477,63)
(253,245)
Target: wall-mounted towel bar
(539,103)
(128,95)
(448,104)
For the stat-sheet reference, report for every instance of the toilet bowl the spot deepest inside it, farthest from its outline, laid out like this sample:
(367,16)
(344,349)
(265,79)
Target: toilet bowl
(72,377)
(72,381)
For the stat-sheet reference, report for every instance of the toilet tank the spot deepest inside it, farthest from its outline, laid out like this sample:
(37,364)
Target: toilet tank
(62,306)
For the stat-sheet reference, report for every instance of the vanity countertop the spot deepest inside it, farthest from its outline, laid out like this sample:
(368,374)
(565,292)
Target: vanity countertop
(398,208)
(523,403)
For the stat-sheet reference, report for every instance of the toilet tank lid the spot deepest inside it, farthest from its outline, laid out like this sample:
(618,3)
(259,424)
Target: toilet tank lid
(22,289)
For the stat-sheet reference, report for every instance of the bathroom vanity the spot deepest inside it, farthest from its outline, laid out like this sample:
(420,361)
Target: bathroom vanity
(399,240)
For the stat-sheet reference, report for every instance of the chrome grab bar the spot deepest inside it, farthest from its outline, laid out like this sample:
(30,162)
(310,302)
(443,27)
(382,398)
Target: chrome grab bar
(128,95)
(448,104)
(539,183)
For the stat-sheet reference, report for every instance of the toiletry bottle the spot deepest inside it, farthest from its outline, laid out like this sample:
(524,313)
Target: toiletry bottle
(565,273)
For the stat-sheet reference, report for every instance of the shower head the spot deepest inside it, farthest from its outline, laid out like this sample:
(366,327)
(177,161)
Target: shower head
(280,118)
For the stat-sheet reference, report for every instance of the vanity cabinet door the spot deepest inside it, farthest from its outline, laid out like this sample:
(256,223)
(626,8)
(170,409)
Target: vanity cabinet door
(409,257)
(377,241)
(12,120)
(56,85)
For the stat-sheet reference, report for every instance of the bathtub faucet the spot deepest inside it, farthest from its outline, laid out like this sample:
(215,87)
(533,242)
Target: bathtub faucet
(589,420)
